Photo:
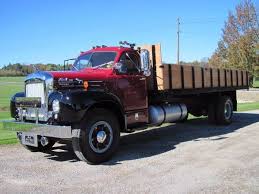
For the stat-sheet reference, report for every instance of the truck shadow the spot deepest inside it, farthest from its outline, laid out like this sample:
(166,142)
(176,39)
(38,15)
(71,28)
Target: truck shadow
(159,140)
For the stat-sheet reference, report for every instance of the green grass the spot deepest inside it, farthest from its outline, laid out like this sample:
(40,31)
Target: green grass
(256,84)
(4,115)
(248,106)
(7,136)
(11,79)
(8,87)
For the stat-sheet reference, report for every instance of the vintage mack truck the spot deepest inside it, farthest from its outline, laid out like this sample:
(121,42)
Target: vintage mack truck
(110,90)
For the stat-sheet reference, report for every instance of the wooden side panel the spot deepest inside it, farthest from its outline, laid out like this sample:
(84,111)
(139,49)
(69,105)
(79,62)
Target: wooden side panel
(234,77)
(159,68)
(222,77)
(197,77)
(228,77)
(239,73)
(207,77)
(244,78)
(215,78)
(187,72)
(166,79)
(176,77)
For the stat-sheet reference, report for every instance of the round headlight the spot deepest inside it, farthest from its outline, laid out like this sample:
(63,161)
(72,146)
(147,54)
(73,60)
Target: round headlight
(55,106)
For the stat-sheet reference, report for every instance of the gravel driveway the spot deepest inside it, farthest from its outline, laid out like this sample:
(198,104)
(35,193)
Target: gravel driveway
(183,158)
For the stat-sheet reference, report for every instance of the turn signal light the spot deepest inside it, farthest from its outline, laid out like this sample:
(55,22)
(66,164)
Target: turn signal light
(86,84)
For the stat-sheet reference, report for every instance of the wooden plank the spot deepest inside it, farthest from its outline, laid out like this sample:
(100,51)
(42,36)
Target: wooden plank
(166,77)
(245,78)
(239,73)
(207,78)
(222,77)
(159,68)
(198,77)
(176,77)
(228,77)
(187,72)
(234,77)
(215,79)
(155,82)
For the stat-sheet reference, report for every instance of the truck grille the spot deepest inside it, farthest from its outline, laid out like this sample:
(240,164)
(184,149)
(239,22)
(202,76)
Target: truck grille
(35,90)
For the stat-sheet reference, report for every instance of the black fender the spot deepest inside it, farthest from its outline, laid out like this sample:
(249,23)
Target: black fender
(12,104)
(75,104)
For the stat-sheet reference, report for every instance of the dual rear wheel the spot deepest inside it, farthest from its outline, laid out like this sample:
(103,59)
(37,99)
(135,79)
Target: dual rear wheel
(221,111)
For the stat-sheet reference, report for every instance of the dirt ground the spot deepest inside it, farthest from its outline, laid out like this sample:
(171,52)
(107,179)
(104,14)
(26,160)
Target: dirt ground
(193,157)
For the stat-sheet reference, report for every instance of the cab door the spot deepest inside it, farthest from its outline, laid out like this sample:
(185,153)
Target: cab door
(132,88)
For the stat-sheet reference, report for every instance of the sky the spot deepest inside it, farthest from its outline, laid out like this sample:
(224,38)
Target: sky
(49,31)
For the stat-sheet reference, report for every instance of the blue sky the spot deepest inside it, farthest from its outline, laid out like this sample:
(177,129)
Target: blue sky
(49,31)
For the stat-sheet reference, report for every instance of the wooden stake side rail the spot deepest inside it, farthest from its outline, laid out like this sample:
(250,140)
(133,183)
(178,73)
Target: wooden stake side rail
(191,79)
(179,77)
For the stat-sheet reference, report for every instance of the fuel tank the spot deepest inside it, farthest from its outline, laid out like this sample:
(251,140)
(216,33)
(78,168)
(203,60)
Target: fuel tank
(167,113)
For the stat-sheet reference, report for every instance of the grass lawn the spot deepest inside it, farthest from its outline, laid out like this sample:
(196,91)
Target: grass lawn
(248,106)
(256,84)
(7,136)
(8,87)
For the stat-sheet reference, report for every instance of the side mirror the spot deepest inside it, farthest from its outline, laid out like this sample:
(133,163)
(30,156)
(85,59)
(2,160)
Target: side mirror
(120,68)
(145,62)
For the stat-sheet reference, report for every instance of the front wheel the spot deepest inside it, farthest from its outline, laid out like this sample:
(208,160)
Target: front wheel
(98,137)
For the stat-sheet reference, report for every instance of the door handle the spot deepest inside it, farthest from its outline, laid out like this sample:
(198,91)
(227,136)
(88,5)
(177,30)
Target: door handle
(143,78)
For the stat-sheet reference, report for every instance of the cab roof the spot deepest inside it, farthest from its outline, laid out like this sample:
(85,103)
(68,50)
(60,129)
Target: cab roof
(108,48)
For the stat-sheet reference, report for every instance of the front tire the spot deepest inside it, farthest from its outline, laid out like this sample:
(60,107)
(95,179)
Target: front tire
(98,137)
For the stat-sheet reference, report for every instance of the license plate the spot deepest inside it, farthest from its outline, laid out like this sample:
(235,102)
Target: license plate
(29,139)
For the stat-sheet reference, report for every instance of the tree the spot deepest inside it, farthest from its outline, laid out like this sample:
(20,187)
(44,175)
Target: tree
(240,36)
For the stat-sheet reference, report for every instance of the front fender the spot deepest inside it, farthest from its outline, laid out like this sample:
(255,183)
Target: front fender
(74,104)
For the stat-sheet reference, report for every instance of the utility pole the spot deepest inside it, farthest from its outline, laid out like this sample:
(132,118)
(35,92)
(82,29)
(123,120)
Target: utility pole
(178,40)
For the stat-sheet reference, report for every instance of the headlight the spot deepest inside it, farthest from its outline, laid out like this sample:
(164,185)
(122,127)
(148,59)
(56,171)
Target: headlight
(55,106)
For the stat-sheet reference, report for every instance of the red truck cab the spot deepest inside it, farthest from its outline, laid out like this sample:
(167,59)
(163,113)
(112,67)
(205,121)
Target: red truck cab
(106,82)
(128,84)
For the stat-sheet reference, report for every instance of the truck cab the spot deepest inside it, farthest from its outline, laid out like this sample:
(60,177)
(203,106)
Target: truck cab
(109,80)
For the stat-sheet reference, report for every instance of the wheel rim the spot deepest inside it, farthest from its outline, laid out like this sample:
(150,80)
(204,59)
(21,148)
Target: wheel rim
(100,137)
(228,110)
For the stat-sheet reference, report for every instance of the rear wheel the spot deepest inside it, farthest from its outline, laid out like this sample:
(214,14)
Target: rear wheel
(224,110)
(98,137)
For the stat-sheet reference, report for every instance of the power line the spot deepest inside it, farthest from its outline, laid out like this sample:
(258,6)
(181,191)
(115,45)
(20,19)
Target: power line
(178,40)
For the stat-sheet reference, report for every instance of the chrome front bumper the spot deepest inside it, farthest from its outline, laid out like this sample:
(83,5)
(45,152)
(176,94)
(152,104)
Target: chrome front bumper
(44,130)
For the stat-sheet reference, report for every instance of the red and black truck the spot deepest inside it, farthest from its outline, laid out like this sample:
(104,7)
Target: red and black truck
(109,90)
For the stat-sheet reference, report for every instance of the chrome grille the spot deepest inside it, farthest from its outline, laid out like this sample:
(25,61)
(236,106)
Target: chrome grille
(35,90)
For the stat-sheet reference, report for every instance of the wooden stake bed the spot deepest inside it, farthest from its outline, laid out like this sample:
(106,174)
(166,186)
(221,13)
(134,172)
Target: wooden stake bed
(191,79)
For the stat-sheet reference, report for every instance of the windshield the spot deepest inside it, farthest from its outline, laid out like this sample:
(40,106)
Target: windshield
(96,59)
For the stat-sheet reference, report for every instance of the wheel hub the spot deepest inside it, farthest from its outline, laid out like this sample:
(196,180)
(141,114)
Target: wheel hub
(101,136)
(228,110)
